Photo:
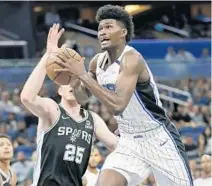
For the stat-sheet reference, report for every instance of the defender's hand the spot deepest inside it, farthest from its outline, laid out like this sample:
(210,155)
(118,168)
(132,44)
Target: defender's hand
(53,38)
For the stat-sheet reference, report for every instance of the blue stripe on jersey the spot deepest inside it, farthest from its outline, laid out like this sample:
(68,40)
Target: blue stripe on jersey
(145,109)
(186,168)
(153,87)
(143,106)
(109,86)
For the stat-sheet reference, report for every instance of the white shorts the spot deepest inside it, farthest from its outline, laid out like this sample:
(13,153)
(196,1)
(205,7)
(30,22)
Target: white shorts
(152,152)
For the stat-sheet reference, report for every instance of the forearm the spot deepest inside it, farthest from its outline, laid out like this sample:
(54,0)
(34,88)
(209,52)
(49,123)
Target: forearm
(108,98)
(82,94)
(35,81)
(114,143)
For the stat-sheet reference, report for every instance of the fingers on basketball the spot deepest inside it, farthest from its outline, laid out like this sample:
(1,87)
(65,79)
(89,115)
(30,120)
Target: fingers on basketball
(73,54)
(54,72)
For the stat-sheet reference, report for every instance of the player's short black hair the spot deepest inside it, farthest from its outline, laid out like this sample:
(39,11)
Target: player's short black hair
(118,13)
(5,136)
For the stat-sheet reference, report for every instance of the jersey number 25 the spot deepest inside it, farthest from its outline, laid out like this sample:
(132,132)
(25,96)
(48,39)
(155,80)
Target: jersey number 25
(73,153)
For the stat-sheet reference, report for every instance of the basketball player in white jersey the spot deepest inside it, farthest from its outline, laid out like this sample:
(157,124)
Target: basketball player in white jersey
(7,176)
(92,172)
(120,78)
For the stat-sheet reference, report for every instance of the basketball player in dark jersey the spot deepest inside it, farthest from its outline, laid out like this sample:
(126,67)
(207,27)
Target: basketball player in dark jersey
(7,176)
(120,78)
(65,131)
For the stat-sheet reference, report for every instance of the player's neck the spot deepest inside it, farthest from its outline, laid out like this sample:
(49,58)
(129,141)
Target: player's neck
(114,53)
(93,170)
(5,166)
(73,108)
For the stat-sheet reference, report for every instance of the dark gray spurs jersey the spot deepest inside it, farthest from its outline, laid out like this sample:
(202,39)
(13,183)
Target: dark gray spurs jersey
(6,180)
(64,151)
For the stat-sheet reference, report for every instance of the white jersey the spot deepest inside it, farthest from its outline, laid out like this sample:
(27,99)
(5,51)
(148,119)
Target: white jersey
(144,111)
(91,178)
(203,182)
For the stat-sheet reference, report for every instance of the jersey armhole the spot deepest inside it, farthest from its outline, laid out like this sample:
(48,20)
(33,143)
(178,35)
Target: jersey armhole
(55,123)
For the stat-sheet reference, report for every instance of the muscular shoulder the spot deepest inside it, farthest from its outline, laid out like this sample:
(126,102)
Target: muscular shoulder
(93,65)
(94,115)
(53,111)
(52,108)
(49,101)
(93,62)
(96,119)
(132,61)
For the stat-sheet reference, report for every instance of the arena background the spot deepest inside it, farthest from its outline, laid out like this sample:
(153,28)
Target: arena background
(173,37)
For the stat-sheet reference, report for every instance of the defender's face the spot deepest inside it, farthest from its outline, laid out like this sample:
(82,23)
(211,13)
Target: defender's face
(95,158)
(66,92)
(110,33)
(6,149)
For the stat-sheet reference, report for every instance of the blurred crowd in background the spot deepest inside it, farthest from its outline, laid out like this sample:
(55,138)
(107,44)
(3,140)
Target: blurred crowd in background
(182,55)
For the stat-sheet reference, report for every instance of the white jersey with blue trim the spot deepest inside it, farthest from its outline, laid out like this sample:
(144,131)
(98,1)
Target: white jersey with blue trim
(144,111)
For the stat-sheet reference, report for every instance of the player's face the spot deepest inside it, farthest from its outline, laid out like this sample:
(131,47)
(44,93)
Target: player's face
(206,164)
(95,158)
(66,91)
(110,33)
(6,149)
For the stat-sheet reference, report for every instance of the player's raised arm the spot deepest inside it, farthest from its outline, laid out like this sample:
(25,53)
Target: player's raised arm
(103,133)
(29,95)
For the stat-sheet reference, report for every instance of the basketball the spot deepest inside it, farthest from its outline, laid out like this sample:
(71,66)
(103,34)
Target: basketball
(60,78)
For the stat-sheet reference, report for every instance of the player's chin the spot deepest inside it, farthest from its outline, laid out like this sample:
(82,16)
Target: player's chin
(93,166)
(105,47)
(71,98)
(7,157)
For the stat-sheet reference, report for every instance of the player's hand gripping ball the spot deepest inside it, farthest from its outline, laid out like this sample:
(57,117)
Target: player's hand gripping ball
(62,76)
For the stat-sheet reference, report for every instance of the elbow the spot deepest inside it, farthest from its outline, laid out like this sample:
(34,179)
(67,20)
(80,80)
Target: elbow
(117,110)
(112,148)
(118,106)
(25,98)
(114,145)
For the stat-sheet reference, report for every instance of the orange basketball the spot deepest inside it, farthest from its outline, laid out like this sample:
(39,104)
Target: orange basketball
(60,78)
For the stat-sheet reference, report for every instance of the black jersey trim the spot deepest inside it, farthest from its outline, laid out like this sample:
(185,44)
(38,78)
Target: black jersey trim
(5,175)
(37,167)
(82,120)
(145,109)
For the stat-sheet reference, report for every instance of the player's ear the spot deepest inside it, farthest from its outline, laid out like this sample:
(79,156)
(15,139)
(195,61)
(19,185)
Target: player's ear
(124,32)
